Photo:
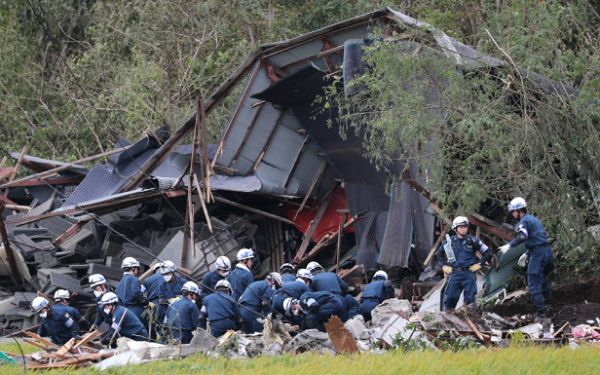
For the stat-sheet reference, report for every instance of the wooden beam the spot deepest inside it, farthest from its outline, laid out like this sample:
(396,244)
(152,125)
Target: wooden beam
(296,160)
(203,203)
(253,210)
(436,244)
(491,226)
(313,184)
(14,271)
(247,132)
(406,177)
(326,240)
(71,180)
(269,140)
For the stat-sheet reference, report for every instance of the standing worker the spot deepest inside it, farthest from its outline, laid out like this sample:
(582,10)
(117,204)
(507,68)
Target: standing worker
(255,302)
(210,279)
(375,292)
(183,315)
(59,322)
(541,261)
(170,288)
(99,287)
(129,289)
(459,263)
(242,276)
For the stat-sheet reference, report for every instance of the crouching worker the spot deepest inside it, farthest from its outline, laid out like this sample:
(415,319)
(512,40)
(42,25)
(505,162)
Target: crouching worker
(123,321)
(459,263)
(59,322)
(319,307)
(375,293)
(183,315)
(255,302)
(99,287)
(221,310)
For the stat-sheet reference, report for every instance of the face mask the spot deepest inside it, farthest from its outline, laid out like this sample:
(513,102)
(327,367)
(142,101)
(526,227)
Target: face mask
(296,312)
(223,273)
(44,314)
(167,277)
(107,310)
(98,294)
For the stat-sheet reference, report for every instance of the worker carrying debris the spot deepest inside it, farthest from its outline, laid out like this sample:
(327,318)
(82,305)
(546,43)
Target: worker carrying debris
(59,321)
(538,258)
(124,322)
(326,281)
(457,256)
(210,279)
(220,310)
(377,291)
(255,302)
(242,276)
(183,315)
(287,272)
(129,290)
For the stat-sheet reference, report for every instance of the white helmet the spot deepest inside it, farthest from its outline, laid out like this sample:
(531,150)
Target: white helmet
(276,278)
(108,298)
(460,221)
(130,262)
(61,294)
(224,284)
(244,254)
(191,287)
(313,266)
(96,279)
(287,304)
(38,304)
(516,204)
(223,263)
(304,274)
(286,267)
(167,267)
(380,275)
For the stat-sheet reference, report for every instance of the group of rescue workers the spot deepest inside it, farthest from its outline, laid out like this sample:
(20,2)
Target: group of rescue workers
(166,305)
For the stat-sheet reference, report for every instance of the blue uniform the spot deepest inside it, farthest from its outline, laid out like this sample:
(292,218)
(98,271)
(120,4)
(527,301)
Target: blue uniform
(183,316)
(153,285)
(374,293)
(101,315)
(169,290)
(129,291)
(461,279)
(256,303)
(126,324)
(209,281)
(222,312)
(292,289)
(320,306)
(329,282)
(351,305)
(541,261)
(60,324)
(288,277)
(239,279)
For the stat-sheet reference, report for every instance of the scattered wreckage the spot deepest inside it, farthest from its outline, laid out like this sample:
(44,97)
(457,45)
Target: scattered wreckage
(280,181)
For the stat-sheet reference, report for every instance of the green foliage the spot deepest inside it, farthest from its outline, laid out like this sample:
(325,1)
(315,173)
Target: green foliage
(484,135)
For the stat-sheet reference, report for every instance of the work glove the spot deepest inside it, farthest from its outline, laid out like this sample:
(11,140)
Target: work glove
(151,305)
(504,248)
(447,270)
(522,262)
(475,267)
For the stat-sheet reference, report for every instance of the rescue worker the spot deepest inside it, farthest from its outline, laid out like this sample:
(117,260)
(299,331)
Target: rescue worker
(287,272)
(210,279)
(538,252)
(459,263)
(123,321)
(153,283)
(129,290)
(59,322)
(221,310)
(183,315)
(241,276)
(320,306)
(99,287)
(375,292)
(326,281)
(169,288)
(292,289)
(351,306)
(255,302)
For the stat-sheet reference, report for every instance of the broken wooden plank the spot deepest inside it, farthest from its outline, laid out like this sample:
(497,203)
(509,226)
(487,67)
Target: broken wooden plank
(474,328)
(14,271)
(341,338)
(40,339)
(91,336)
(312,186)
(295,161)
(203,204)
(253,210)
(437,243)
(491,226)
(63,350)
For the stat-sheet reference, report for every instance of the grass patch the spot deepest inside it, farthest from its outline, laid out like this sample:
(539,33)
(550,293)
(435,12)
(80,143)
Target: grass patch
(514,360)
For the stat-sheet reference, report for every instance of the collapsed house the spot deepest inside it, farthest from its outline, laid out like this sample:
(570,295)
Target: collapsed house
(282,180)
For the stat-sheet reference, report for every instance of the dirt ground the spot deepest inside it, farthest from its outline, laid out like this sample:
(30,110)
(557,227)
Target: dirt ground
(574,303)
